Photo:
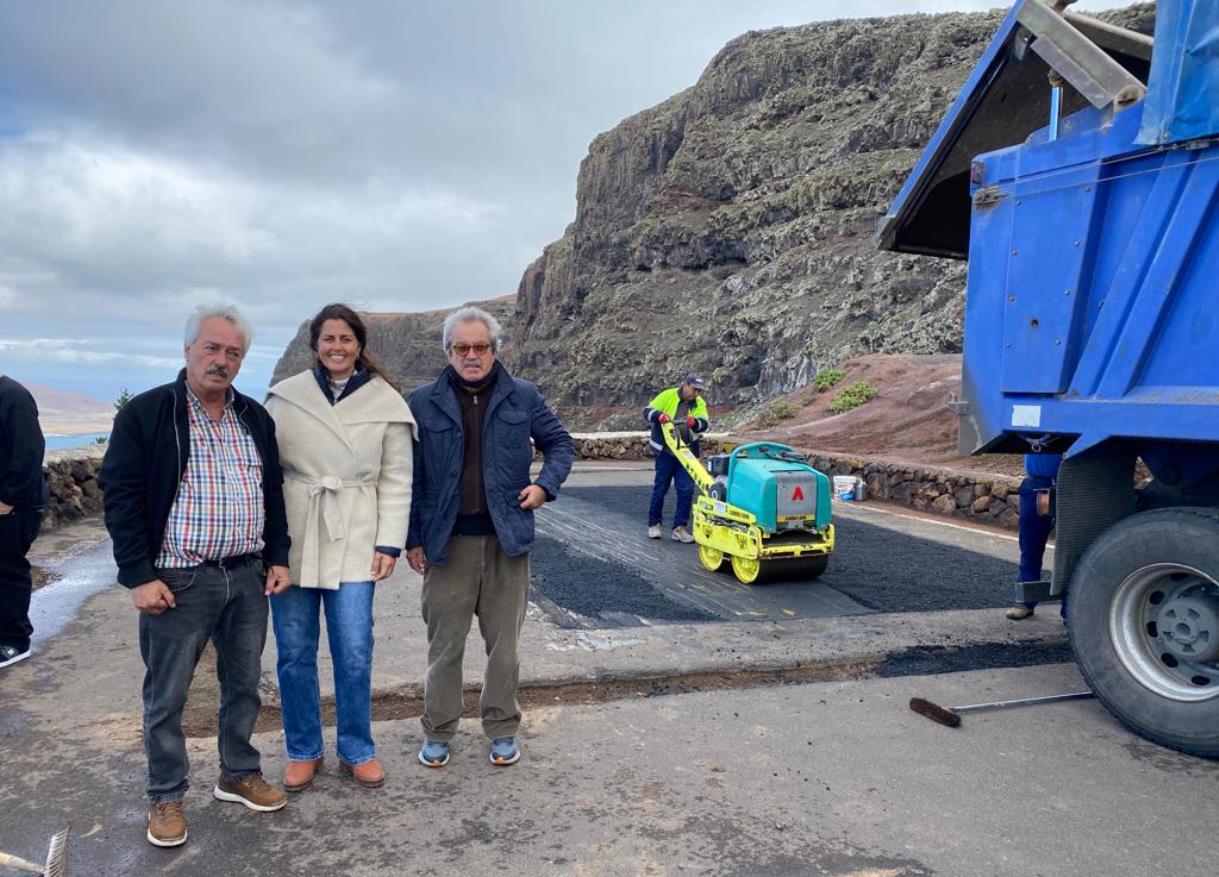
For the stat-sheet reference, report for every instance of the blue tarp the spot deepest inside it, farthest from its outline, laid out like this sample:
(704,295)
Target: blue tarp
(1182,100)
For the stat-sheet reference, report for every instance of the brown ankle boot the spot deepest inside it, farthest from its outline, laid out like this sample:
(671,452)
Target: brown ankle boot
(298,776)
(367,773)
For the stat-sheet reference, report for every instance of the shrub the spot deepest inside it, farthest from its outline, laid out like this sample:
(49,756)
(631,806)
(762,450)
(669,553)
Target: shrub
(827,378)
(852,397)
(781,410)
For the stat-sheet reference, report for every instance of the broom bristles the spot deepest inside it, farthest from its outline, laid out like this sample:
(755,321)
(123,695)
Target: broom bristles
(935,712)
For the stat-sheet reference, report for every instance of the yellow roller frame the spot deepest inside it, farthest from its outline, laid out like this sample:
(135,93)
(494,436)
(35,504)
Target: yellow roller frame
(723,530)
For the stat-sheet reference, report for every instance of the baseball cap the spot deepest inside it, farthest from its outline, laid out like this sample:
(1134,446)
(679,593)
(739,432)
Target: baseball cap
(693,380)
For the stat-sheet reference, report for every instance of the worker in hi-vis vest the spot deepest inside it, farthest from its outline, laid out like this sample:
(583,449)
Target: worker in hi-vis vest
(685,407)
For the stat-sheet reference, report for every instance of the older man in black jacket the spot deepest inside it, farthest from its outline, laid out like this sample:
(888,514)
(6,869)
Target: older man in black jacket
(194,504)
(22,497)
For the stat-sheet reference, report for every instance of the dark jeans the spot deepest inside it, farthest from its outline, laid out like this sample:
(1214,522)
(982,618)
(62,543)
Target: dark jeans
(227,607)
(1035,530)
(18,529)
(669,468)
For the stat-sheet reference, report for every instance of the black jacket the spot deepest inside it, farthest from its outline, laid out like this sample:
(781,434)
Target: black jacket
(148,452)
(21,448)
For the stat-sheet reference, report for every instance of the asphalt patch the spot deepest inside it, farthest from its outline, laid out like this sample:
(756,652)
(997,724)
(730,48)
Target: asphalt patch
(882,569)
(931,660)
(599,589)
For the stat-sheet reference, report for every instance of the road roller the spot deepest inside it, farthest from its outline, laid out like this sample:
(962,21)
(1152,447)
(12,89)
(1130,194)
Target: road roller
(761,509)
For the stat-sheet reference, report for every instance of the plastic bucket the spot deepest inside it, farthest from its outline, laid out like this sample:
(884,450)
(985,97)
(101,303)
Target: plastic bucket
(844,487)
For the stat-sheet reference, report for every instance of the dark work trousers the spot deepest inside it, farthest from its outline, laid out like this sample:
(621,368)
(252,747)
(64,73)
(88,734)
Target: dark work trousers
(229,608)
(18,529)
(1035,530)
(669,468)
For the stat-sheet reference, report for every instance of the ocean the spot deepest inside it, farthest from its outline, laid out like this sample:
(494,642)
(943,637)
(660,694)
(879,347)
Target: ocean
(62,442)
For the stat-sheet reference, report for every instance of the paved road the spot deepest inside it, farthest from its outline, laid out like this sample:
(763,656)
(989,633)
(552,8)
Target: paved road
(728,777)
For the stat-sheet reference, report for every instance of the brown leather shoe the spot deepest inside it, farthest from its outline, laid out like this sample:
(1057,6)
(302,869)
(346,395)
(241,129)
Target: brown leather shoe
(167,824)
(298,776)
(253,791)
(1019,612)
(367,773)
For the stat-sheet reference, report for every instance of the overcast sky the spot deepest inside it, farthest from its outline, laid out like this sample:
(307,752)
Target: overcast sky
(398,156)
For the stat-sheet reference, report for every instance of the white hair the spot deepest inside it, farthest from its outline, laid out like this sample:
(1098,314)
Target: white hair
(224,312)
(471,314)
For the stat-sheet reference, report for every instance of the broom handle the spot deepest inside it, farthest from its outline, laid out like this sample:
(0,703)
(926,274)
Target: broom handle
(19,864)
(1025,701)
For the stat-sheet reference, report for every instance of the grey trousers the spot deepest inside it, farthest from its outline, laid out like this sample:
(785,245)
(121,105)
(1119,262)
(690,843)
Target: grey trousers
(229,608)
(478,579)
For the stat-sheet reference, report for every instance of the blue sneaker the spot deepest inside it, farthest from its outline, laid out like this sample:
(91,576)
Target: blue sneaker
(434,753)
(504,751)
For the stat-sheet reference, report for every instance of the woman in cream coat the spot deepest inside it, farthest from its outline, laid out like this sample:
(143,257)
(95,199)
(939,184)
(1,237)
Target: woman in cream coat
(345,446)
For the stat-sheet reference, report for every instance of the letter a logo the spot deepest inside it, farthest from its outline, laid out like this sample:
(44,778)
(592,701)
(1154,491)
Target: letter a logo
(798,494)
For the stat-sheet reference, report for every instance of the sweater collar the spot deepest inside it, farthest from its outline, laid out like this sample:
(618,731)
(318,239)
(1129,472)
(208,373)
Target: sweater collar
(472,387)
(358,379)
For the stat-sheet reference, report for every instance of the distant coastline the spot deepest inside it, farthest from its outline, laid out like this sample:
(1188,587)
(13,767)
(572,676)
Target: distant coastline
(60,442)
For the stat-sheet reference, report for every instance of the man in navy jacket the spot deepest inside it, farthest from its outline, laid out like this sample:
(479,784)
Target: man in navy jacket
(471,525)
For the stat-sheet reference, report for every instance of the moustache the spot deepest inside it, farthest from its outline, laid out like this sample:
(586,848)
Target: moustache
(218,371)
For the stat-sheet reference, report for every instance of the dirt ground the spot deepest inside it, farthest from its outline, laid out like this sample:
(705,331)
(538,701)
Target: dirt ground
(908,420)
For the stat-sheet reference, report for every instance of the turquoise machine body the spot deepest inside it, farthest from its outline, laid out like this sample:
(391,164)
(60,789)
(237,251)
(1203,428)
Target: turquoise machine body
(771,482)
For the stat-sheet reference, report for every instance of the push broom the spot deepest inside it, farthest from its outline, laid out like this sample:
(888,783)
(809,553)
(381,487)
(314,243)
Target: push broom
(951,715)
(57,858)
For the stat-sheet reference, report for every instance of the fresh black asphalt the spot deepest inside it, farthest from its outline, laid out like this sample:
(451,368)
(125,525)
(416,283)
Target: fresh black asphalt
(877,568)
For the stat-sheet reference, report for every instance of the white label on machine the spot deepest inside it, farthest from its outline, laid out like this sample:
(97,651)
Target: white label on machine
(1026,415)
(721,508)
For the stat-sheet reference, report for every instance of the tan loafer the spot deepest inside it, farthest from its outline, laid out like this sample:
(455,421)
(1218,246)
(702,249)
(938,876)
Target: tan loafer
(299,774)
(1019,612)
(367,773)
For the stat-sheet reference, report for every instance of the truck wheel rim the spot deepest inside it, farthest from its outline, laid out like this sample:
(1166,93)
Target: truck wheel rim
(1164,622)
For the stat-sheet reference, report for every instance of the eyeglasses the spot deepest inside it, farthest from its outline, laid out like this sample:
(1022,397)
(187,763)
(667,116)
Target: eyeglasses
(477,349)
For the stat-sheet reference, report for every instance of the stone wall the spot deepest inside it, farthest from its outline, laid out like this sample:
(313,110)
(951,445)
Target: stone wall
(979,496)
(72,479)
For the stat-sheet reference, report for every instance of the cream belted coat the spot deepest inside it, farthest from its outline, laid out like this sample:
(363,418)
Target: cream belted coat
(347,476)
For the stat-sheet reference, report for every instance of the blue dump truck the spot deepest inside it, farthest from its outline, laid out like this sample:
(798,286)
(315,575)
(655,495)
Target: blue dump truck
(1078,172)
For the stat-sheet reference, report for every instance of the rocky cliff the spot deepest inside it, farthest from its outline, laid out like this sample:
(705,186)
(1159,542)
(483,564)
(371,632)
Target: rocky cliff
(729,229)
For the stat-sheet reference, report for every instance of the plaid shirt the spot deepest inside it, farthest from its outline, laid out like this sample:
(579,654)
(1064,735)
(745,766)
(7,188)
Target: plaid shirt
(219,510)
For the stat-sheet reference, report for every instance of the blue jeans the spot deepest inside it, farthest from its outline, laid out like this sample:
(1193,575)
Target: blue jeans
(1035,531)
(669,468)
(295,614)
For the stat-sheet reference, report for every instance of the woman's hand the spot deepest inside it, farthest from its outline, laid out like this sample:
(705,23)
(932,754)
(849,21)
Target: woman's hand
(382,566)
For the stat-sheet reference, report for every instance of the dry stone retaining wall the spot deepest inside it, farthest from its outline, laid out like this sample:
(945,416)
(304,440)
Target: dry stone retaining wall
(72,480)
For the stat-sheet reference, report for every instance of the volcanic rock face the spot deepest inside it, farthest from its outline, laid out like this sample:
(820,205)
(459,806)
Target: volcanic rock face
(729,229)
(409,345)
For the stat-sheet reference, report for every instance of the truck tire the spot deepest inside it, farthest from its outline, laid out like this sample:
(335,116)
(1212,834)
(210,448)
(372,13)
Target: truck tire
(1143,618)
